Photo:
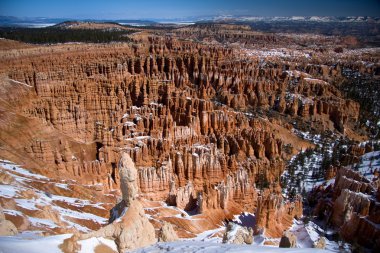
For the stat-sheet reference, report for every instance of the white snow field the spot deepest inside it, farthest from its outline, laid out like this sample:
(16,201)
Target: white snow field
(208,247)
(25,243)
(50,244)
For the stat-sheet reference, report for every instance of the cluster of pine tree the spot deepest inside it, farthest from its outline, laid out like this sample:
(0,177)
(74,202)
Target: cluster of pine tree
(297,172)
(310,166)
(52,35)
(364,89)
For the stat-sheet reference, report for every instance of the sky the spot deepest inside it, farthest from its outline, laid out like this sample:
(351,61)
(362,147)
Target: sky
(169,9)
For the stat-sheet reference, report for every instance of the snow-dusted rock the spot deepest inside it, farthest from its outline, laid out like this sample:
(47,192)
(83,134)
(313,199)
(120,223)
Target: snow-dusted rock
(320,243)
(167,233)
(347,203)
(288,240)
(132,228)
(6,226)
(237,234)
(128,178)
(131,231)
(71,245)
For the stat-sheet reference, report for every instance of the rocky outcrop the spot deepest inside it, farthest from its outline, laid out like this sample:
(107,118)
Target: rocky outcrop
(7,228)
(167,233)
(237,234)
(71,245)
(320,243)
(131,231)
(288,240)
(186,197)
(363,230)
(346,204)
(355,210)
(130,228)
(274,214)
(351,207)
(353,181)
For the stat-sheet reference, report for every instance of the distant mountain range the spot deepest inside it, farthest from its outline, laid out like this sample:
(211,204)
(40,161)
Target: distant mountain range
(301,18)
(10,21)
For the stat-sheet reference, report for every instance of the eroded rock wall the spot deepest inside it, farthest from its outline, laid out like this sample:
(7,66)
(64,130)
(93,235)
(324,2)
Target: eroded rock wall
(185,112)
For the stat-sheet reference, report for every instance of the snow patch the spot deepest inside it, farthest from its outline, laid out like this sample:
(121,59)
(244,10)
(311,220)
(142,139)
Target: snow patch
(89,245)
(8,191)
(16,168)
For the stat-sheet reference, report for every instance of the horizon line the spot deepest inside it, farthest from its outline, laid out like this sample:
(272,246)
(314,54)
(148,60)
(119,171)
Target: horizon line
(189,17)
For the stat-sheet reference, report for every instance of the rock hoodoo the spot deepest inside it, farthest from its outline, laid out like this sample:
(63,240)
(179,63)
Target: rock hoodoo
(128,179)
(132,229)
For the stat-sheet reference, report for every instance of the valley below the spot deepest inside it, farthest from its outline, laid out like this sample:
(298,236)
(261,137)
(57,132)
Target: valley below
(189,138)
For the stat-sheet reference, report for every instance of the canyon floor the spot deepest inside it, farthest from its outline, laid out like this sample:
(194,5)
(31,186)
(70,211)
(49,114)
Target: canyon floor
(190,138)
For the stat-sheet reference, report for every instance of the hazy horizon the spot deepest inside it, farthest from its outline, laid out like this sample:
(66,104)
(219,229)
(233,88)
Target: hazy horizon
(169,9)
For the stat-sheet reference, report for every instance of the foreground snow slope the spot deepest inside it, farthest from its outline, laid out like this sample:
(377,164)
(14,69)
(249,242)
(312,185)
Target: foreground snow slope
(50,244)
(20,244)
(207,247)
